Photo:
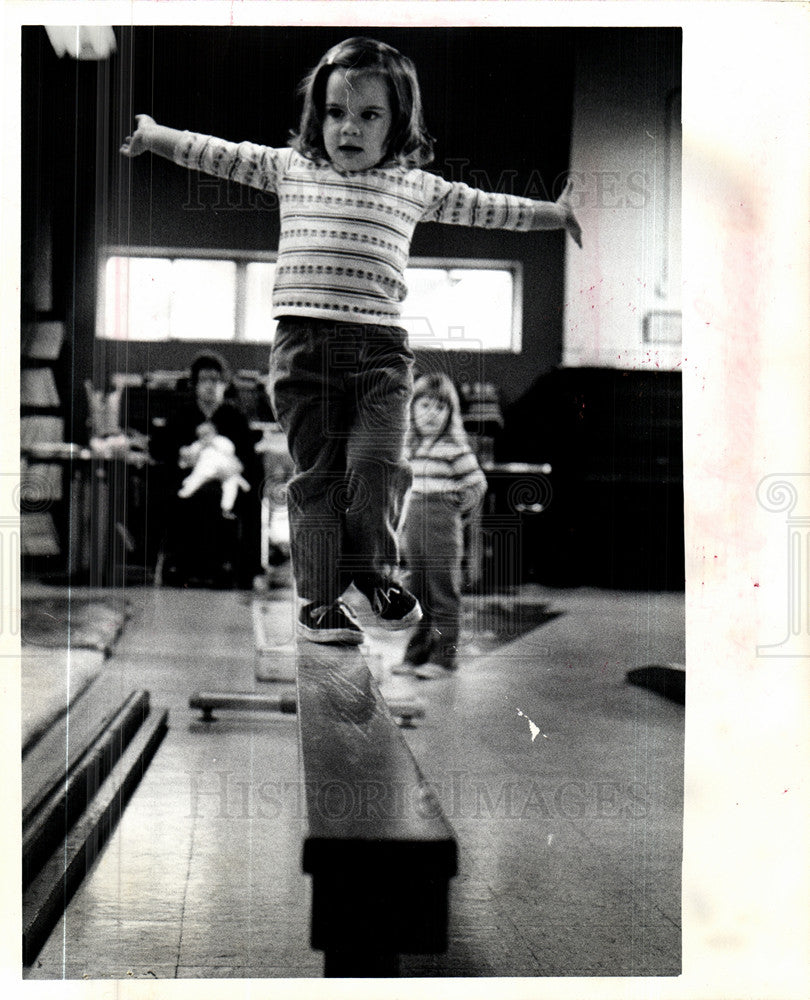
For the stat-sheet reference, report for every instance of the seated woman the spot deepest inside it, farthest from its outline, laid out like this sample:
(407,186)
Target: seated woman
(207,447)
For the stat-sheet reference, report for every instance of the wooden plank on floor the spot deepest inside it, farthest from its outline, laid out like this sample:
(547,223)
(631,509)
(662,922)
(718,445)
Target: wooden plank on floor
(49,825)
(51,890)
(403,710)
(243,701)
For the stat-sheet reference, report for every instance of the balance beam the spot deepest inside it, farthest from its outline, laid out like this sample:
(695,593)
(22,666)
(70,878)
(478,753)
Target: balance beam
(283,701)
(378,847)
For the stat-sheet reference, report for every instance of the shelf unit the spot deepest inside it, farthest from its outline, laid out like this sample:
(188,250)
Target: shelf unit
(42,435)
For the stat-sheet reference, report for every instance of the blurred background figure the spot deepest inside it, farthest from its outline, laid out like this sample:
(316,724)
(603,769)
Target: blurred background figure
(447,485)
(212,528)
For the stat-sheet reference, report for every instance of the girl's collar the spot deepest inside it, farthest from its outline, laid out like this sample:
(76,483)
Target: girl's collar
(389,164)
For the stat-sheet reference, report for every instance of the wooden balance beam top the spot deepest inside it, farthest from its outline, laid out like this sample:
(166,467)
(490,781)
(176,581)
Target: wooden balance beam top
(378,847)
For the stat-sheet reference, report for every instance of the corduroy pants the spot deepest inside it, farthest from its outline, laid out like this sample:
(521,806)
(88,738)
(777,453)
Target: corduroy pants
(342,393)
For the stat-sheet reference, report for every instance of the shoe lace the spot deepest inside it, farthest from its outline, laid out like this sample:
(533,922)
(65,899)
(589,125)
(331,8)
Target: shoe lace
(382,599)
(340,609)
(318,614)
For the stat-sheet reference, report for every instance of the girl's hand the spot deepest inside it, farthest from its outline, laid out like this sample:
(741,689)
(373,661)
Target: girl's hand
(570,223)
(138,142)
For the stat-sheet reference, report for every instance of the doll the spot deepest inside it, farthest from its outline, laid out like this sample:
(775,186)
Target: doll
(212,458)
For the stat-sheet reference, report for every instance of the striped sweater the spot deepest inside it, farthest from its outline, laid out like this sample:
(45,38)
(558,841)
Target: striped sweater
(445,466)
(345,238)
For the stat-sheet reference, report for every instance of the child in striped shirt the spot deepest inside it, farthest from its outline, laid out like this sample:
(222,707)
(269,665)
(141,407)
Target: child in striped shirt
(351,191)
(447,484)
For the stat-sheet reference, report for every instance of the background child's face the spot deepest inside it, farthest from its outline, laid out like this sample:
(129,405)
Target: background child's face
(357,120)
(430,415)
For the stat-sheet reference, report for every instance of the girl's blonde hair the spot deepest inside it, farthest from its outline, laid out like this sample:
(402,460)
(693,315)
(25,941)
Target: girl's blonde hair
(437,385)
(408,142)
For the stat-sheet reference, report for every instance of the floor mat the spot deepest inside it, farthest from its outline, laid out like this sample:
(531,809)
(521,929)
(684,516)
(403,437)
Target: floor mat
(73,622)
(50,681)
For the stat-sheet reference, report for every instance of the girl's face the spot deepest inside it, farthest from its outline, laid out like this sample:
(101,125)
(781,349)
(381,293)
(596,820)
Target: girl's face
(357,120)
(430,415)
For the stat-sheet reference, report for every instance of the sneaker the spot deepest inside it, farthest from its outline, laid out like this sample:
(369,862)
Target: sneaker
(404,669)
(329,623)
(394,606)
(416,656)
(433,671)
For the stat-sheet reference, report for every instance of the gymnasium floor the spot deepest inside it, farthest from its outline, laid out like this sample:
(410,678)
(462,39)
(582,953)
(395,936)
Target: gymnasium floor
(564,785)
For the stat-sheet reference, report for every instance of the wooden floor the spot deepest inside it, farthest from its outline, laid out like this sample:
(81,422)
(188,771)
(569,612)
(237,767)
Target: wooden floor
(564,785)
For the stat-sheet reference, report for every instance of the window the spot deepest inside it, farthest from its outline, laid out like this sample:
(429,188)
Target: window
(259,324)
(463,305)
(177,295)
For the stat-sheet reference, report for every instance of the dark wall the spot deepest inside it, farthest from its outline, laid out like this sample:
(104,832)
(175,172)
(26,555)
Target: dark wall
(497,100)
(613,504)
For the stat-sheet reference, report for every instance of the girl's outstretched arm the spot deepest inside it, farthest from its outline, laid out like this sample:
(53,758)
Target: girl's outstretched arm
(150,137)
(241,162)
(457,203)
(570,223)
(558,214)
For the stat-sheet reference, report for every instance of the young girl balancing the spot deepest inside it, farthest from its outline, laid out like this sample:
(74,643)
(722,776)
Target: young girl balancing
(447,484)
(351,190)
